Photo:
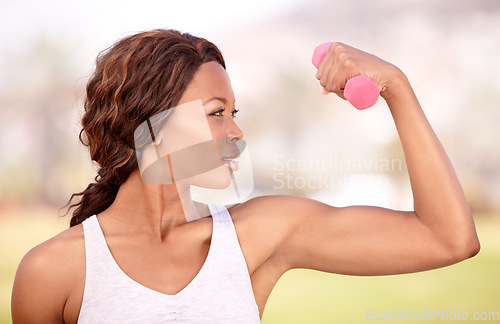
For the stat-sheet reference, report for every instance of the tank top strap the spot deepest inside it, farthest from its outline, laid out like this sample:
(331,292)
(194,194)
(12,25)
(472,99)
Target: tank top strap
(229,255)
(223,223)
(97,253)
(224,237)
(221,214)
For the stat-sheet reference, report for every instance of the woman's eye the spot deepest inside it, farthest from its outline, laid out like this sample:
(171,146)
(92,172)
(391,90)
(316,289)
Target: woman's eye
(217,113)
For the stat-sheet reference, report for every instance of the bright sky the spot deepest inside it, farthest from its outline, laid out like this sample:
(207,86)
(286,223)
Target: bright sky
(90,26)
(105,21)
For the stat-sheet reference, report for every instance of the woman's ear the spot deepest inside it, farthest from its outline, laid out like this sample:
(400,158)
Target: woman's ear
(158,140)
(151,152)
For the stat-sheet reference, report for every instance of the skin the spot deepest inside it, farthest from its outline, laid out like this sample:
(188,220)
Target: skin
(276,233)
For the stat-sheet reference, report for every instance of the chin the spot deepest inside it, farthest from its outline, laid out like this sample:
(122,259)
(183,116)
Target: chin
(218,178)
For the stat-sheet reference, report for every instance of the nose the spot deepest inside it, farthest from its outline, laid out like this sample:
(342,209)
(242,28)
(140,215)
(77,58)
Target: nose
(233,133)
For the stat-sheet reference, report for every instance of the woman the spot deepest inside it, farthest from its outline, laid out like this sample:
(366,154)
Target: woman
(167,261)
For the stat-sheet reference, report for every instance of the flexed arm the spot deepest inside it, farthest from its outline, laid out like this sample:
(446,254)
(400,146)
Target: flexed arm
(365,240)
(439,201)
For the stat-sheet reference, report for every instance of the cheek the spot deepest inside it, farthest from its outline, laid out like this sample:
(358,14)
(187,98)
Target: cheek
(216,128)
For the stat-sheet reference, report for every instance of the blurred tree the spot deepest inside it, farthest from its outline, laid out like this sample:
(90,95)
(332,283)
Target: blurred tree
(40,94)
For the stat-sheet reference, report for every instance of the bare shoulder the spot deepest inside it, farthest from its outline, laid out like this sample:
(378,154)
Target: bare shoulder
(264,223)
(46,276)
(258,213)
(275,210)
(56,250)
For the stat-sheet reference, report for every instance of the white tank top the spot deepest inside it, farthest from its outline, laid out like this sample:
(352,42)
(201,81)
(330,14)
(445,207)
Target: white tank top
(221,292)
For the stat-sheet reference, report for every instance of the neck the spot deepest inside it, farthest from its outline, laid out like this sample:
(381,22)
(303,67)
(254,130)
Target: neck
(154,208)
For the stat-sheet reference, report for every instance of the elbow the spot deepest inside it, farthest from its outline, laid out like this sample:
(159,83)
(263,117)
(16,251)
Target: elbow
(459,245)
(474,247)
(469,245)
(462,240)
(466,249)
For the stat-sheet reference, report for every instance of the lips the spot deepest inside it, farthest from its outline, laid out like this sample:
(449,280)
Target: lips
(231,160)
(230,152)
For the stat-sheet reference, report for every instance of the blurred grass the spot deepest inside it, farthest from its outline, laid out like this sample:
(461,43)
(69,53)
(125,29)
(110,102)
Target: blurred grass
(20,230)
(305,296)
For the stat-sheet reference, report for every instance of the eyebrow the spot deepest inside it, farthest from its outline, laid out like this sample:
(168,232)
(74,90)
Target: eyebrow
(221,99)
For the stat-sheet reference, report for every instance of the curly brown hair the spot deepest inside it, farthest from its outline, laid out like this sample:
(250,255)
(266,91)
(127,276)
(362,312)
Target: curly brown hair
(135,79)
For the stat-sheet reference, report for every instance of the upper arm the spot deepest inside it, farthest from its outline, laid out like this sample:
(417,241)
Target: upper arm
(357,240)
(39,292)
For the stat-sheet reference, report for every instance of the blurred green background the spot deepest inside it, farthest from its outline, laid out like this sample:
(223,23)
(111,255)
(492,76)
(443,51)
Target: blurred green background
(306,296)
(448,49)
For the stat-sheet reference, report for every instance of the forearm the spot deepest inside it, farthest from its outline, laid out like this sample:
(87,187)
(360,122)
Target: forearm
(439,200)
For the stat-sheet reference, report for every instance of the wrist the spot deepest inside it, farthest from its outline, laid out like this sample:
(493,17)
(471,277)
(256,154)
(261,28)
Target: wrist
(396,86)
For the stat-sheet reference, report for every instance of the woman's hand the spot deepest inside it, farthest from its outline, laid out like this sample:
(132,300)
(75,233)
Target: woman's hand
(343,62)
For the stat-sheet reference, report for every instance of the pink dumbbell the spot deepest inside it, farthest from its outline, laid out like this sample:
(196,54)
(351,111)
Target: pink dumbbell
(360,91)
